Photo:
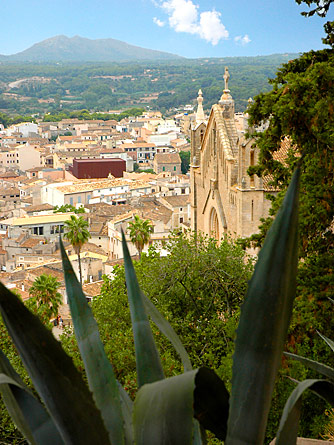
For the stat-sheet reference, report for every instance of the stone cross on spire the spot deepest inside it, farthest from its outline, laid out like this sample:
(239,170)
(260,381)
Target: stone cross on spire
(200,113)
(226,78)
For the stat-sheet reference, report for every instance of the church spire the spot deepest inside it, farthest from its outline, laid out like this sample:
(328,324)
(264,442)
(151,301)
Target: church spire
(226,96)
(226,102)
(200,113)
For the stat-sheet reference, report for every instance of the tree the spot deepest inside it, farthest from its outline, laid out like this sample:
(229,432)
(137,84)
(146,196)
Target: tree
(185,161)
(45,291)
(140,231)
(299,110)
(68,208)
(9,432)
(77,234)
(198,287)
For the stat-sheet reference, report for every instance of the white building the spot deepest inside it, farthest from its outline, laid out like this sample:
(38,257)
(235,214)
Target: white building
(22,157)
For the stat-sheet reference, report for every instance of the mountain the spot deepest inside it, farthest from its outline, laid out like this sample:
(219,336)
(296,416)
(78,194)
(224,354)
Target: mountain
(80,49)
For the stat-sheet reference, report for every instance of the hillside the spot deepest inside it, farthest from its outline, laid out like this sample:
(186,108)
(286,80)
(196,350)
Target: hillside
(79,49)
(166,85)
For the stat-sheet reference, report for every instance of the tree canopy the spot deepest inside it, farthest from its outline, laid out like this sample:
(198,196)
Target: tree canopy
(198,287)
(76,232)
(45,290)
(299,112)
(140,232)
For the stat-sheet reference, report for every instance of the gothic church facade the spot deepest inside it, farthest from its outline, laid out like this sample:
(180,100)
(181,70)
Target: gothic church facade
(224,198)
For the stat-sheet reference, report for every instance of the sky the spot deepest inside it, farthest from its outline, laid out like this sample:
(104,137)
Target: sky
(189,28)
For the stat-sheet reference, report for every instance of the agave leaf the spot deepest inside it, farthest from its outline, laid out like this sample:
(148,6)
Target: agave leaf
(164,410)
(149,368)
(288,427)
(316,366)
(328,341)
(53,374)
(127,408)
(264,321)
(99,371)
(28,414)
(166,329)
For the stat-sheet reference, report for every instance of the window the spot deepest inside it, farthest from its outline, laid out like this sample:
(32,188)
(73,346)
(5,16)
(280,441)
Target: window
(174,167)
(38,230)
(183,191)
(252,163)
(163,169)
(79,199)
(71,201)
(214,224)
(181,220)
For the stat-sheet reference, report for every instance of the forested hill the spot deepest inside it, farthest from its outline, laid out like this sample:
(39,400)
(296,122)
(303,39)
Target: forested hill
(79,49)
(37,88)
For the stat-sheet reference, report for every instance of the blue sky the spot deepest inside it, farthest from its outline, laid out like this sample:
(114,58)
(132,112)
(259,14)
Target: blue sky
(190,28)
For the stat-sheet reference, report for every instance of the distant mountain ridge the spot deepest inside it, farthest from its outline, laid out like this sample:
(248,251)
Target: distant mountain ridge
(79,49)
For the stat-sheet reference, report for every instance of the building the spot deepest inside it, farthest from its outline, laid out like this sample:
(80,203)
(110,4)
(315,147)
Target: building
(167,162)
(224,198)
(50,226)
(22,157)
(98,168)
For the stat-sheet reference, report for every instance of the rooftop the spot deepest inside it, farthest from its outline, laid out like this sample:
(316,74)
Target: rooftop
(43,219)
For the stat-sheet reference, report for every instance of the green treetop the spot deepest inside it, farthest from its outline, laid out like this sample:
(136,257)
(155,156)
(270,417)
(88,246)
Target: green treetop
(76,232)
(140,231)
(45,290)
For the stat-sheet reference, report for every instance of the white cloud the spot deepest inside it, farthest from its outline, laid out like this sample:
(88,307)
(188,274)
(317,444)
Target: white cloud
(184,17)
(242,40)
(158,22)
(211,28)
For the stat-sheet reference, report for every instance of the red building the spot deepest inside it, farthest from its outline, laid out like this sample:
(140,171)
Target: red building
(98,168)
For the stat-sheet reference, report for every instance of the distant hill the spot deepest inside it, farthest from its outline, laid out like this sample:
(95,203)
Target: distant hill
(80,49)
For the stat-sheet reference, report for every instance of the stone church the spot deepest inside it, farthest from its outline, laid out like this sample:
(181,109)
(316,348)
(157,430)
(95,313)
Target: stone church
(224,198)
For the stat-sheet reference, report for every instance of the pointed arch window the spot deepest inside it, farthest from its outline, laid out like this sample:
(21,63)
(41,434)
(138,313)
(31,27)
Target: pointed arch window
(214,224)
(252,156)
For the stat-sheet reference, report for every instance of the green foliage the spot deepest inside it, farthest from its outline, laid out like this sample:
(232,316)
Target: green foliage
(69,208)
(300,109)
(7,120)
(86,115)
(77,234)
(164,409)
(104,86)
(45,291)
(185,161)
(139,232)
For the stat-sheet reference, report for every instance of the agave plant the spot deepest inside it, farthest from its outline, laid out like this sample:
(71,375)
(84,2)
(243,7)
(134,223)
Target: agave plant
(176,410)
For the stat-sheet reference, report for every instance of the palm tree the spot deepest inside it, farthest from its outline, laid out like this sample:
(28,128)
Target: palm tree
(45,290)
(140,231)
(77,234)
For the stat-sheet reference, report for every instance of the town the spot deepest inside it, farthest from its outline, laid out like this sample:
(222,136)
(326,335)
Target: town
(107,172)
(166,224)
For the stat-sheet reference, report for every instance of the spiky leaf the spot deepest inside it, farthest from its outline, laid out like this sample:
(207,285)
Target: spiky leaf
(166,329)
(28,414)
(328,341)
(164,410)
(99,371)
(316,366)
(53,374)
(148,362)
(263,325)
(288,427)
